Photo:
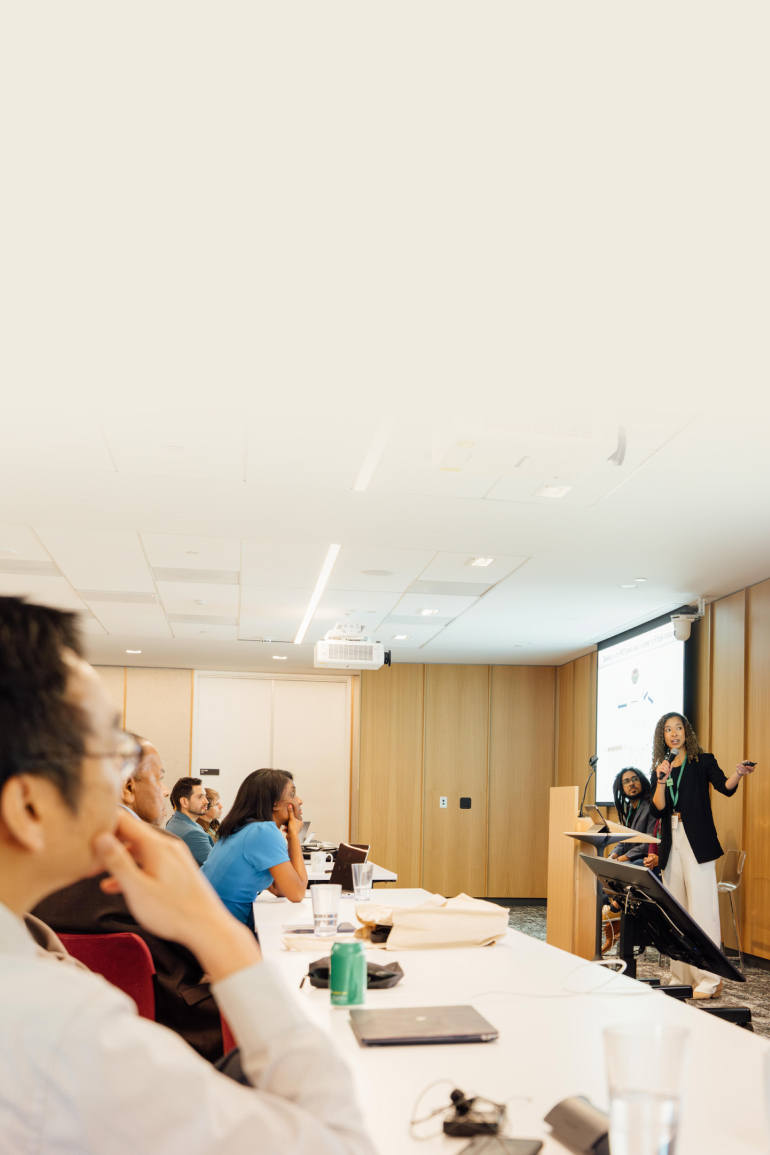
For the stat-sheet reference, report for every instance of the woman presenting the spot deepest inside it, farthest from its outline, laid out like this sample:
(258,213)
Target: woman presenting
(252,854)
(688,839)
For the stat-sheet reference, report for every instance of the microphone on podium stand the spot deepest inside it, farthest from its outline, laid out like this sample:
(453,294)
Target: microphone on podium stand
(592,763)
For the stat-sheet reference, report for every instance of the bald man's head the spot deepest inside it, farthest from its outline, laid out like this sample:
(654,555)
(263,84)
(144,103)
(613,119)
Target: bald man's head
(145,792)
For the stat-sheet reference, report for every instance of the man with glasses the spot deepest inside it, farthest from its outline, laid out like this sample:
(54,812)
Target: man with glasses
(79,1070)
(632,793)
(183,1001)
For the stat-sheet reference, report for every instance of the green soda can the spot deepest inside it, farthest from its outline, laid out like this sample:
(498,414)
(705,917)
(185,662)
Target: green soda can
(347,981)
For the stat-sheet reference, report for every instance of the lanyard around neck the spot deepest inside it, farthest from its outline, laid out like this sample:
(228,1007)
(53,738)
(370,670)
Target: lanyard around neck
(675,790)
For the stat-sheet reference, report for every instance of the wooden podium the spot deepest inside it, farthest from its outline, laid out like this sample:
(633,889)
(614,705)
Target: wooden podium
(571,922)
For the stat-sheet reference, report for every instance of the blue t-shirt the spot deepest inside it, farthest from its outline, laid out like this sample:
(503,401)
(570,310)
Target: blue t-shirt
(239,866)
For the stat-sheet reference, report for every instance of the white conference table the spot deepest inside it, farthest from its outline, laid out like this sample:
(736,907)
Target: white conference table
(379,874)
(550,1043)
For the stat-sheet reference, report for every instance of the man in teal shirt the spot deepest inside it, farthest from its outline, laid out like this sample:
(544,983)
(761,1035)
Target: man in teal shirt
(189,801)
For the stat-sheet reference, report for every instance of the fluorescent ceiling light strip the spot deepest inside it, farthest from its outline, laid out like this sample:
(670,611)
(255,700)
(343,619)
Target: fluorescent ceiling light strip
(312,605)
(372,459)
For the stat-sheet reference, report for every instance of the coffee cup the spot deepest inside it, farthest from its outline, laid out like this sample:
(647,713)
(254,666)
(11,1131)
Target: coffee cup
(319,860)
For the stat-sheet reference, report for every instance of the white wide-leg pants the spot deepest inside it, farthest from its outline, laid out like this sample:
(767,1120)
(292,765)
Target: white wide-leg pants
(694,884)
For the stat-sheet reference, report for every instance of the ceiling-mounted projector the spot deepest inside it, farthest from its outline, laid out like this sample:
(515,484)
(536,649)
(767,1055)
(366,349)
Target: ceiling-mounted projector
(345,648)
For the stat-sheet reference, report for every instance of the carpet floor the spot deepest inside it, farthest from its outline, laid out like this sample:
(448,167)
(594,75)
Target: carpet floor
(754,993)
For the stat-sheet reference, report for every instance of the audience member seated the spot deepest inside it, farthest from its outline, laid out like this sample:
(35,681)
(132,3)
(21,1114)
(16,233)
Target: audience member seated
(79,1070)
(252,853)
(189,801)
(183,1001)
(210,820)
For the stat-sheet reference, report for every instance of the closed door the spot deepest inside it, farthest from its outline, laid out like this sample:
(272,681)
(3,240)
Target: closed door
(456,768)
(233,723)
(242,724)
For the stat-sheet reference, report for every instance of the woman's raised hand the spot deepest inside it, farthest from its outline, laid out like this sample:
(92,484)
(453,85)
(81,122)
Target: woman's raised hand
(294,825)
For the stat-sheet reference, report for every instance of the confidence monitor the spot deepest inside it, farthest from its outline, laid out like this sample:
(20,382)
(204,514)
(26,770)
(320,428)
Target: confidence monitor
(651,916)
(640,675)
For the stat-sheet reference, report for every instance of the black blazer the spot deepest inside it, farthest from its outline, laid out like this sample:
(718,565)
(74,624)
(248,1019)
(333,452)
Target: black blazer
(642,820)
(694,804)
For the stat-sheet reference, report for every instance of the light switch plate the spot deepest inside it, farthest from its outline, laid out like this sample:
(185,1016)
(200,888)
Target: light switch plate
(442,803)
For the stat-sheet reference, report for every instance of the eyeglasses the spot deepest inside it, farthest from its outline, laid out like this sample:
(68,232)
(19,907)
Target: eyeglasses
(630,780)
(127,757)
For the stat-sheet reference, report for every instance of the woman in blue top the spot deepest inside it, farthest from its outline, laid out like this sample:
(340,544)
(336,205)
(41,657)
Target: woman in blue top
(252,854)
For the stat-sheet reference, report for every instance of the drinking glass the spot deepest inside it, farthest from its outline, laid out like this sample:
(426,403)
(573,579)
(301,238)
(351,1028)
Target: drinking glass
(326,908)
(362,880)
(644,1072)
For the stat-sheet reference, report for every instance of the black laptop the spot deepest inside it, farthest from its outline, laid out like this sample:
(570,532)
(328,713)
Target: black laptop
(405,1026)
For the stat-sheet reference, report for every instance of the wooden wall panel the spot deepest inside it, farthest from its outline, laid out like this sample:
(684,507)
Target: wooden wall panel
(521,761)
(456,765)
(756,884)
(727,727)
(565,699)
(562,866)
(114,680)
(700,670)
(390,774)
(159,707)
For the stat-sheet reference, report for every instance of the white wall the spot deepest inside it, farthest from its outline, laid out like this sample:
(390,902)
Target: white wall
(244,722)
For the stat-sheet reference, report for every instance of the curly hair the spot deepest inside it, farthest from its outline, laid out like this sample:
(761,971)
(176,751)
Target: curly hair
(659,747)
(621,802)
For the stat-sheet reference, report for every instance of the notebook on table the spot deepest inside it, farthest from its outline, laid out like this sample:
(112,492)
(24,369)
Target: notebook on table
(410,1026)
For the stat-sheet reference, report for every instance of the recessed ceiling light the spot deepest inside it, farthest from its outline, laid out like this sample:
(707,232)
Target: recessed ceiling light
(426,613)
(628,586)
(279,657)
(200,602)
(133,651)
(5,549)
(480,561)
(552,490)
(320,586)
(378,572)
(640,579)
(400,637)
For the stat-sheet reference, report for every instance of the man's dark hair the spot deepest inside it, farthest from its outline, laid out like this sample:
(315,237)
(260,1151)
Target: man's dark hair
(254,802)
(40,732)
(183,788)
(622,801)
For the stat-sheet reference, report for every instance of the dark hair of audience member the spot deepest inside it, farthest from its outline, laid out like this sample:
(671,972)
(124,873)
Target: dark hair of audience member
(254,802)
(42,733)
(183,788)
(618,794)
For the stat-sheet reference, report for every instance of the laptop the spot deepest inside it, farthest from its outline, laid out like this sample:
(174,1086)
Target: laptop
(404,1026)
(303,833)
(348,853)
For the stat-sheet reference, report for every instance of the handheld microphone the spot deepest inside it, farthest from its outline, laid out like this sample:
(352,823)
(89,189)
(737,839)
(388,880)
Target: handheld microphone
(671,755)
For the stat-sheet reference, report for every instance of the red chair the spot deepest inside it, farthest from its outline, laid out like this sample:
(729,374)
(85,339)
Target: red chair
(228,1041)
(123,959)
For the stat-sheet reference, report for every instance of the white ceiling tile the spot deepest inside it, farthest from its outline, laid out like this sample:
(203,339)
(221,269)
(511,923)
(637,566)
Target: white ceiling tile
(313,455)
(174,551)
(205,633)
(276,563)
(271,612)
(183,598)
(448,606)
(400,567)
(99,559)
(89,625)
(21,543)
(136,621)
(451,567)
(406,467)
(203,444)
(417,636)
(46,591)
(47,438)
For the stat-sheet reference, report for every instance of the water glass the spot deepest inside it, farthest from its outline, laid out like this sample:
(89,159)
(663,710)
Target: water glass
(362,880)
(644,1072)
(326,908)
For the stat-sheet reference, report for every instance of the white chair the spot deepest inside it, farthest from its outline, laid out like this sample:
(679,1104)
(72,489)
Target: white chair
(732,870)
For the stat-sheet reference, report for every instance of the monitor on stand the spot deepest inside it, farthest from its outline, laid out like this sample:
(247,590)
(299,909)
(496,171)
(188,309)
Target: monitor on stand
(651,916)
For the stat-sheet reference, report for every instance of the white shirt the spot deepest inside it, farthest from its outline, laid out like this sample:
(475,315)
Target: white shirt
(82,1074)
